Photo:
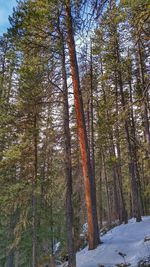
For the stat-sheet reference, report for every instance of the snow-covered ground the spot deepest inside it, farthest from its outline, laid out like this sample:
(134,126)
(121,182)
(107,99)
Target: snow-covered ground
(126,238)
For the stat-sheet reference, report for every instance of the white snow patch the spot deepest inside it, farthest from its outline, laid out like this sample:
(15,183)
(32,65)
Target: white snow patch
(85,228)
(57,247)
(126,238)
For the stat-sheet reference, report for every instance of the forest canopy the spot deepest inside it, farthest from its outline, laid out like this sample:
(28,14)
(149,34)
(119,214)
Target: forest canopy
(74,125)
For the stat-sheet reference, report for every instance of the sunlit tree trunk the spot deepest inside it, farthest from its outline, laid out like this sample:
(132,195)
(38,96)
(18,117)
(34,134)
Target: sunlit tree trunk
(68,167)
(89,181)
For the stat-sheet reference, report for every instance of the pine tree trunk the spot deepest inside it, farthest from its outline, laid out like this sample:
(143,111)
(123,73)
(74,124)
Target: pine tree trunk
(10,260)
(100,200)
(68,168)
(115,184)
(134,145)
(107,191)
(136,205)
(117,174)
(89,182)
(34,179)
(52,261)
(123,211)
(141,82)
(16,258)
(145,101)
(91,118)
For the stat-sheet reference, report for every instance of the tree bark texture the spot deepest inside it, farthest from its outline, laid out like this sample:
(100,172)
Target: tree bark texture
(89,182)
(68,168)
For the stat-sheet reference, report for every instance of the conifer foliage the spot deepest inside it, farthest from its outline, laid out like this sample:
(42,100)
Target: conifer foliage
(74,126)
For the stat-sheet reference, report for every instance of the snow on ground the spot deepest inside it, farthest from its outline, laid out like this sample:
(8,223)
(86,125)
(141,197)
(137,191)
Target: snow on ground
(126,238)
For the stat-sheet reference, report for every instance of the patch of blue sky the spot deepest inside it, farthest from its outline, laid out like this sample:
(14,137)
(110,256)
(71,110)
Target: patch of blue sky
(6,8)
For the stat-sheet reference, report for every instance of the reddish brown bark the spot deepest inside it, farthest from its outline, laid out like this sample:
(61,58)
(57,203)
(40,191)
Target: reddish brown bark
(90,192)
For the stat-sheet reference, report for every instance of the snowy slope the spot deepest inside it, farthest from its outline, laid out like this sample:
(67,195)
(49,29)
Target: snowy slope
(127,239)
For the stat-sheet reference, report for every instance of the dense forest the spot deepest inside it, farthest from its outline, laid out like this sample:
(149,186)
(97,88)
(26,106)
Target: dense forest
(74,126)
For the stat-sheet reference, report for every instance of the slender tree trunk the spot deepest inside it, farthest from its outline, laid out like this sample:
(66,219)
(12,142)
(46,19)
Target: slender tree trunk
(52,261)
(115,184)
(107,191)
(145,101)
(141,82)
(16,258)
(91,116)
(10,260)
(33,230)
(120,203)
(116,173)
(100,199)
(34,239)
(133,134)
(68,168)
(133,173)
(132,161)
(51,223)
(89,181)
(123,211)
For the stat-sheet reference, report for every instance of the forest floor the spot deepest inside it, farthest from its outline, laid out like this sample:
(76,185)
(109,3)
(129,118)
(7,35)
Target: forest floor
(125,244)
